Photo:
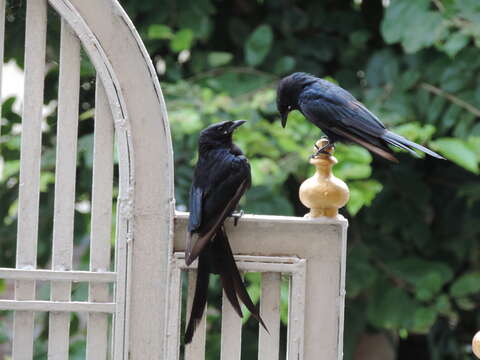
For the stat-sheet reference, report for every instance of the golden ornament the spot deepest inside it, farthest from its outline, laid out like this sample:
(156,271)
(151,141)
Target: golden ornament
(323,193)
(476,345)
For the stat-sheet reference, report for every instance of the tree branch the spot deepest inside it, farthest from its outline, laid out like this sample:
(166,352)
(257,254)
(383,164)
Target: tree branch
(437,91)
(439,5)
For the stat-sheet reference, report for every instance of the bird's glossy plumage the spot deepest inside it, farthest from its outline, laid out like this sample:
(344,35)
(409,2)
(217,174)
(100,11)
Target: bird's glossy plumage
(340,116)
(221,177)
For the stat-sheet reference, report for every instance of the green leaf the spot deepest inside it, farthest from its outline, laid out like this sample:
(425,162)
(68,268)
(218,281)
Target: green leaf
(423,319)
(158,31)
(352,153)
(360,276)
(465,303)
(182,40)
(443,305)
(351,170)
(426,32)
(466,284)
(457,151)
(258,45)
(455,43)
(284,65)
(389,307)
(362,193)
(263,170)
(428,277)
(382,68)
(219,58)
(412,24)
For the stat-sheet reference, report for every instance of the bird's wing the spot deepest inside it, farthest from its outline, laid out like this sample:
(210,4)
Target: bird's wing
(379,150)
(195,217)
(336,107)
(226,182)
(347,118)
(195,208)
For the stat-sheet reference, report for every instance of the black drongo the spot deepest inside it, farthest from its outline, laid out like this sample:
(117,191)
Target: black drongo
(221,177)
(340,116)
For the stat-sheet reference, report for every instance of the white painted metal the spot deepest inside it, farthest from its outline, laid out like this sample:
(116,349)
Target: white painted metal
(269,343)
(296,315)
(63,306)
(320,259)
(196,349)
(46,275)
(172,347)
(117,52)
(231,337)
(67,125)
(251,263)
(35,41)
(97,329)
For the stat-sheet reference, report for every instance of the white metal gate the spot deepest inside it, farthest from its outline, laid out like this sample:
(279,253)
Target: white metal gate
(137,120)
(310,252)
(149,236)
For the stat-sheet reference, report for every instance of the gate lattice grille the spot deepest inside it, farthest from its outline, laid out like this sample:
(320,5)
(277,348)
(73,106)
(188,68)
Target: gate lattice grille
(109,113)
(271,269)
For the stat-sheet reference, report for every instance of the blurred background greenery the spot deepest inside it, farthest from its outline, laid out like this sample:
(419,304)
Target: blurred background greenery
(413,275)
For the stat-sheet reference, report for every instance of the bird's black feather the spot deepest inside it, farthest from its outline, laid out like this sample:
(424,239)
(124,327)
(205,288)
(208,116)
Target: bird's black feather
(339,115)
(221,177)
(195,207)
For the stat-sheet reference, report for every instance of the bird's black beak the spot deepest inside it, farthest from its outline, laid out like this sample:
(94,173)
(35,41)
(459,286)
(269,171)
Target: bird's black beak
(284,119)
(236,124)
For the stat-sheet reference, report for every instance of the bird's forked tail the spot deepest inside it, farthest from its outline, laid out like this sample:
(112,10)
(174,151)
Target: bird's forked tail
(405,144)
(217,258)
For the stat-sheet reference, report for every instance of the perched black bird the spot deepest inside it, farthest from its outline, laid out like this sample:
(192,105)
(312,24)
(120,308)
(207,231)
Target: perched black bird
(340,116)
(221,177)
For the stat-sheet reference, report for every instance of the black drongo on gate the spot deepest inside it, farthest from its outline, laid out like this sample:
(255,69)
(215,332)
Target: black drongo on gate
(221,177)
(340,116)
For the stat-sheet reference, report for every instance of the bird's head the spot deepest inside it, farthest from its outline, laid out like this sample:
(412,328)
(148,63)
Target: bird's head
(288,91)
(219,134)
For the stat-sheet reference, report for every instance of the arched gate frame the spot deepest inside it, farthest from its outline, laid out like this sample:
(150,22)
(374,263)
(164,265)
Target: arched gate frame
(150,235)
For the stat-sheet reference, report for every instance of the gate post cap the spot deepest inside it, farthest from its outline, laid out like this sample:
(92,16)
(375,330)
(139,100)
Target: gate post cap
(476,344)
(323,193)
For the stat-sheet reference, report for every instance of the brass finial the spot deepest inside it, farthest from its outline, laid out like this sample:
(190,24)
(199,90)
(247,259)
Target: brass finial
(476,345)
(323,193)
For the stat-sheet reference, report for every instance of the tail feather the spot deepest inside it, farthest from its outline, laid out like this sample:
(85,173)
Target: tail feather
(227,276)
(240,289)
(217,257)
(406,144)
(200,297)
(401,146)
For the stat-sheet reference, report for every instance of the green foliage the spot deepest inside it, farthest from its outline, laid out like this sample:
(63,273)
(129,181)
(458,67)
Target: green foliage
(459,151)
(413,24)
(466,284)
(258,45)
(413,256)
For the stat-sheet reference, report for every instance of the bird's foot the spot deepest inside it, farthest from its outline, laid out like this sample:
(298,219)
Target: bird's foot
(236,216)
(323,150)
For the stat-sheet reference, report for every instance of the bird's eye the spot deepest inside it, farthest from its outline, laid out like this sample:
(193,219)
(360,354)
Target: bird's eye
(289,107)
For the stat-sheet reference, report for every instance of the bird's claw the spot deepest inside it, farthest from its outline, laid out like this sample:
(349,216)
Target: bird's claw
(236,216)
(322,150)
